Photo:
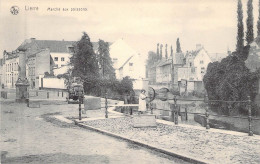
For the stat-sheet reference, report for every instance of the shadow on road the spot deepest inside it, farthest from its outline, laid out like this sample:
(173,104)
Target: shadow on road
(57,158)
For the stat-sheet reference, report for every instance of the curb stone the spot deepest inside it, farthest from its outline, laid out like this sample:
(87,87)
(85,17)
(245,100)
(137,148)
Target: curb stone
(146,145)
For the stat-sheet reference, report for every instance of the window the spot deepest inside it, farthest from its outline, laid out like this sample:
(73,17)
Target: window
(201,62)
(71,49)
(62,59)
(56,58)
(202,70)
(193,70)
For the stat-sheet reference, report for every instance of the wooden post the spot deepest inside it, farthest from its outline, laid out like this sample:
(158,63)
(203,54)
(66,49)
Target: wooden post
(106,113)
(207,112)
(250,132)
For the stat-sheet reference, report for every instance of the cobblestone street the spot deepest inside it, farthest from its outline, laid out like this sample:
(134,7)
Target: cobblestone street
(33,135)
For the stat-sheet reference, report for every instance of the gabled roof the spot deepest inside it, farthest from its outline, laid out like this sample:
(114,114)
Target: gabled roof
(59,46)
(53,45)
(194,53)
(164,62)
(126,62)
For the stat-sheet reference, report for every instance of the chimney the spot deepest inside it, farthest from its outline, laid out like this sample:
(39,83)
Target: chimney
(198,46)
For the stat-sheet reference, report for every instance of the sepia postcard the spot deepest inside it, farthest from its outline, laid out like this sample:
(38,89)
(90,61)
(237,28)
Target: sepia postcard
(130,81)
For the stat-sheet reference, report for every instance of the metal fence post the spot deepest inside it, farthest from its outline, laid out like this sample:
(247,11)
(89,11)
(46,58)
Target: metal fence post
(186,113)
(106,106)
(250,133)
(207,112)
(151,108)
(176,111)
(79,108)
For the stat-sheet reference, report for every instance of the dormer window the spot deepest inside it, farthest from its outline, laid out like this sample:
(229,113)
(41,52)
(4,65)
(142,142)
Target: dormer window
(71,49)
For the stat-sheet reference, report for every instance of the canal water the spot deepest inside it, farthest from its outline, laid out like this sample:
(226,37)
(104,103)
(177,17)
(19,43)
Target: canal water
(193,113)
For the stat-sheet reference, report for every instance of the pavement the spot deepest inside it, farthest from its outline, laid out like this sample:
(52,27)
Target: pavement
(48,134)
(190,143)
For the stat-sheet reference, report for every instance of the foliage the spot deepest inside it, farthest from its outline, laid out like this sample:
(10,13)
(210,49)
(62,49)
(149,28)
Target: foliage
(231,80)
(85,63)
(178,46)
(171,51)
(240,27)
(84,60)
(108,72)
(250,22)
(152,58)
(126,85)
(112,86)
(157,53)
(166,52)
(161,46)
(47,74)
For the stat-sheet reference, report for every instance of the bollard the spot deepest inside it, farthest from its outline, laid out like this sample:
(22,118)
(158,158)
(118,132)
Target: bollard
(62,94)
(58,94)
(79,108)
(106,106)
(48,95)
(250,133)
(207,113)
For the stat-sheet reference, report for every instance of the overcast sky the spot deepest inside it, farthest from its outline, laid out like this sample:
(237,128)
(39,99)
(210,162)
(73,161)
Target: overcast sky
(142,24)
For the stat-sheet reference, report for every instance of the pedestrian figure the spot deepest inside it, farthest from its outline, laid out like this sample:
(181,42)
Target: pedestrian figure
(142,102)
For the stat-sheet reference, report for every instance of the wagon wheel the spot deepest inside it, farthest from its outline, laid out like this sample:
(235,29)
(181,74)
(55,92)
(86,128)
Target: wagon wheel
(151,94)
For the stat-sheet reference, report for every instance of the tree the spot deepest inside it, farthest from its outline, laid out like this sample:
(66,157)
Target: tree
(171,51)
(178,46)
(158,53)
(126,85)
(166,52)
(151,59)
(250,22)
(84,63)
(231,80)
(240,27)
(161,46)
(258,22)
(105,62)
